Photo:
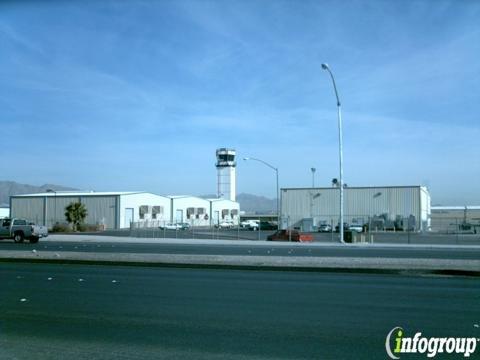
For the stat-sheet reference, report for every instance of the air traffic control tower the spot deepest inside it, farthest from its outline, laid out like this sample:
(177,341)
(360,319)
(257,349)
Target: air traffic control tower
(226,178)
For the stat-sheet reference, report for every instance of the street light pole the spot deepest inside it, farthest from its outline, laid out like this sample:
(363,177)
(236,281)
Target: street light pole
(340,146)
(313,176)
(278,194)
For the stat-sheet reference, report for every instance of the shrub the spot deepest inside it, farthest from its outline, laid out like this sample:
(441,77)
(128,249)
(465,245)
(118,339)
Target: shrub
(61,228)
(89,228)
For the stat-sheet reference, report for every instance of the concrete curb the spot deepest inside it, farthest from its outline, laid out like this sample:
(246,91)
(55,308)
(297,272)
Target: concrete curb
(320,264)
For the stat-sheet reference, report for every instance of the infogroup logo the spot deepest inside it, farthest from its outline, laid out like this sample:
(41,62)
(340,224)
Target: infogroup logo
(429,346)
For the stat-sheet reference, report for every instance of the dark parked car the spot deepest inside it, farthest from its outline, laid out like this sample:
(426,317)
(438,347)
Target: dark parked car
(346,227)
(268,225)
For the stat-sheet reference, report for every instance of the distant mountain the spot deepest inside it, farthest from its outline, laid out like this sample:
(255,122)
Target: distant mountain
(9,188)
(208,196)
(253,204)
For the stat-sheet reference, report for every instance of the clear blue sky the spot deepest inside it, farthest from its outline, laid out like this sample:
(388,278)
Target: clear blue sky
(127,95)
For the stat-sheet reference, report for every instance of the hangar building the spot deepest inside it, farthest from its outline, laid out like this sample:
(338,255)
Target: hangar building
(381,207)
(451,219)
(117,210)
(203,212)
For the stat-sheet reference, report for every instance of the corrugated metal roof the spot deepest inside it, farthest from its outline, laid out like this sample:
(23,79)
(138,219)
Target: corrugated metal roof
(221,199)
(471,207)
(81,193)
(356,187)
(180,196)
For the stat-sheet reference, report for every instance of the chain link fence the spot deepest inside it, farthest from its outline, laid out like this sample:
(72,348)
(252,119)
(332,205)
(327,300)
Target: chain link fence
(253,230)
(357,229)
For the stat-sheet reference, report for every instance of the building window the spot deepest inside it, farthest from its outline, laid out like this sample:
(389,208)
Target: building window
(190,212)
(157,212)
(225,213)
(142,211)
(234,212)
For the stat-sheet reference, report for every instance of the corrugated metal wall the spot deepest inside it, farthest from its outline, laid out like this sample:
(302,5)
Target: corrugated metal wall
(56,208)
(101,209)
(31,209)
(360,204)
(451,220)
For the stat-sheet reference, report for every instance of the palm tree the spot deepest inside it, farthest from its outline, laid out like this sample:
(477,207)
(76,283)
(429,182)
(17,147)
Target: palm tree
(75,213)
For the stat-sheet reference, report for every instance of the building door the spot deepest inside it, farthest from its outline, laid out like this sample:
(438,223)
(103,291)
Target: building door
(179,216)
(128,216)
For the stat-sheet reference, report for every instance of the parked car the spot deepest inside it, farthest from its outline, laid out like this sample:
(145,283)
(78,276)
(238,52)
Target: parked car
(290,235)
(225,225)
(356,228)
(268,225)
(325,228)
(184,226)
(345,227)
(20,229)
(170,226)
(249,224)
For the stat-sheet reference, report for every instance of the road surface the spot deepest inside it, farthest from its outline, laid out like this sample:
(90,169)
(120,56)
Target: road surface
(237,249)
(108,312)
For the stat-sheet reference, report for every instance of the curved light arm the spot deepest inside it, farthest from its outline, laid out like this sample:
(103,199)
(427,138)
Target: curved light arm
(325,67)
(263,162)
(278,189)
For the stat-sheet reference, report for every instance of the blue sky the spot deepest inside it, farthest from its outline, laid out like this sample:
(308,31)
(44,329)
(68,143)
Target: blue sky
(137,95)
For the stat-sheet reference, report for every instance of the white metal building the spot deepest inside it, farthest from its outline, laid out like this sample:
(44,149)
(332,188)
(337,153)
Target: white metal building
(113,210)
(4,212)
(203,212)
(144,207)
(190,209)
(309,207)
(224,210)
(117,210)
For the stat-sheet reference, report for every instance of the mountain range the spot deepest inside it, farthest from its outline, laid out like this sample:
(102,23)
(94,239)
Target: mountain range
(9,188)
(251,204)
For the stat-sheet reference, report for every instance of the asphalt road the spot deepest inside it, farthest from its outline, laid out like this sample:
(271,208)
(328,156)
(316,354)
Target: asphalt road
(95,312)
(236,249)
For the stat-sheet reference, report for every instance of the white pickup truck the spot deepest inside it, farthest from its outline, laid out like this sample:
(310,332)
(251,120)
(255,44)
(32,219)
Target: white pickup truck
(20,229)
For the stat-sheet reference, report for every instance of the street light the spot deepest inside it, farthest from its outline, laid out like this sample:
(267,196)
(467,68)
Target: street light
(278,195)
(340,146)
(313,176)
(55,203)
